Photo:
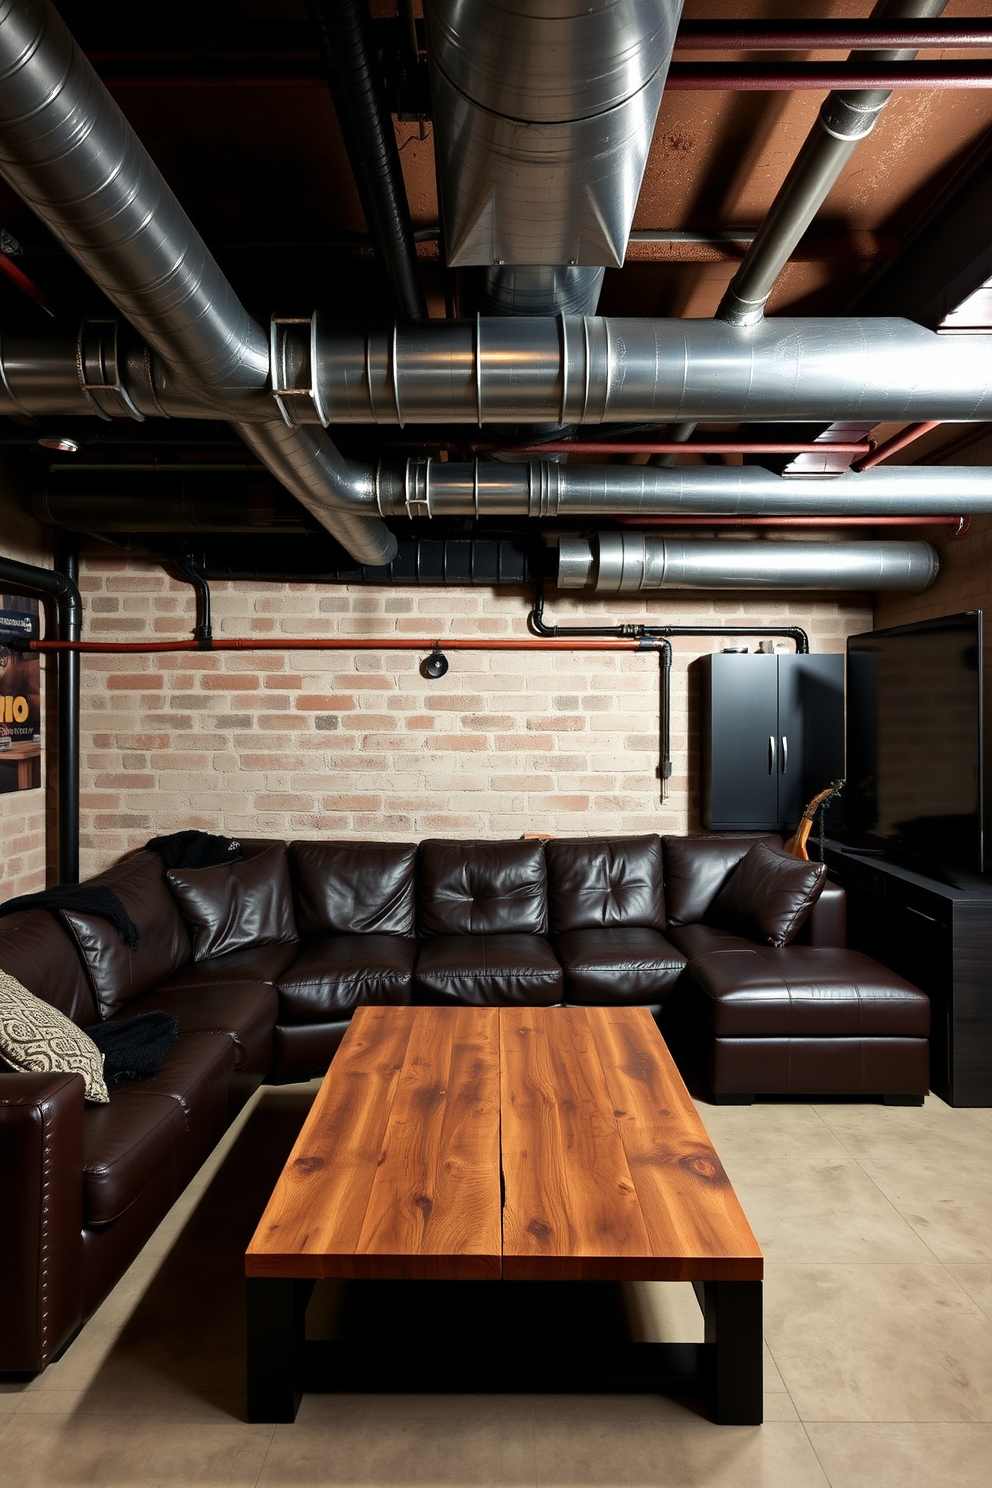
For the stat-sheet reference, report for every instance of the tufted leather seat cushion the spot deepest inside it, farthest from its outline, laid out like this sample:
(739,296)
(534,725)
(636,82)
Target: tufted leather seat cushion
(488,971)
(334,975)
(594,884)
(482,888)
(620,967)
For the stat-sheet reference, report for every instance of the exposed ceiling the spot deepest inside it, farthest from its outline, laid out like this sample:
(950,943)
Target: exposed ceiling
(231,103)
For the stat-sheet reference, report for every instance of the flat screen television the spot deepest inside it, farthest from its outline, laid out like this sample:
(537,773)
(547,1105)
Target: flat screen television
(914,744)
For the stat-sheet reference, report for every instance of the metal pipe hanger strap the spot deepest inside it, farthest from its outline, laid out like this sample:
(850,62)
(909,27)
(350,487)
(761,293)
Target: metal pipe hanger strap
(597,370)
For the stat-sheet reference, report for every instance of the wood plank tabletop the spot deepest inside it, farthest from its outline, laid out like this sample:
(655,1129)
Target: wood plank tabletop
(607,1168)
(396,1171)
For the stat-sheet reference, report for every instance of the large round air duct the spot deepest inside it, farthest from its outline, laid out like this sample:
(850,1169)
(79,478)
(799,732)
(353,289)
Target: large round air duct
(632,562)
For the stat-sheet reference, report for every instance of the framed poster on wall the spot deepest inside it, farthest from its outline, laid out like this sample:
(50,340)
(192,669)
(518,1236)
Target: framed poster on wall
(20,695)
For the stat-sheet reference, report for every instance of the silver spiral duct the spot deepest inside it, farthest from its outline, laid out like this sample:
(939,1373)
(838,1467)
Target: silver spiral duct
(543,117)
(632,562)
(68,151)
(540,489)
(601,370)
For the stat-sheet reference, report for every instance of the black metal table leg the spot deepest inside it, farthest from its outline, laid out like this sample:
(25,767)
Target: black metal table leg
(276,1317)
(732,1314)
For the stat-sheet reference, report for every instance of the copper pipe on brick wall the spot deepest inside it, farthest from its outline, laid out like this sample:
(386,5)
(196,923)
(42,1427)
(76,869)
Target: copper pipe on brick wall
(344,643)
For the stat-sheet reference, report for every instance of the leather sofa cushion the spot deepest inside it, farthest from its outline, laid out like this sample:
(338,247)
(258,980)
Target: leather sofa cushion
(488,971)
(245,1012)
(595,884)
(236,905)
(694,940)
(696,869)
(146,1125)
(117,974)
(353,888)
(623,966)
(807,992)
(332,976)
(35,948)
(482,888)
(768,896)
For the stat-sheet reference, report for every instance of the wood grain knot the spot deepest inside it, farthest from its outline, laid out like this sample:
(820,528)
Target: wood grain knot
(539,1230)
(309,1165)
(425,1204)
(704,1166)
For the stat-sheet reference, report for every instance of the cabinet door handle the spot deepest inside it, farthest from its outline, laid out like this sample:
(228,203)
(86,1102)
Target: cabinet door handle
(771,754)
(785,753)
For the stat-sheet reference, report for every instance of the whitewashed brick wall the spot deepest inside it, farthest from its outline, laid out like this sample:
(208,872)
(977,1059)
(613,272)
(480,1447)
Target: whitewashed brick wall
(356,744)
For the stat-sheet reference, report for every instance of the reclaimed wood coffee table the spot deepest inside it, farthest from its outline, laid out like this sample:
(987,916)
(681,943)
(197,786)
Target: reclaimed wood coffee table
(504,1145)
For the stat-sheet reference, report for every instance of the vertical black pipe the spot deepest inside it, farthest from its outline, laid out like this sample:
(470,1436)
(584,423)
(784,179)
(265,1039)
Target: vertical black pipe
(60,589)
(347,47)
(70,622)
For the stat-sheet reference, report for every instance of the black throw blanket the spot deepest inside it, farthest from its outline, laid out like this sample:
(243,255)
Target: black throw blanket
(195,850)
(134,1048)
(83,899)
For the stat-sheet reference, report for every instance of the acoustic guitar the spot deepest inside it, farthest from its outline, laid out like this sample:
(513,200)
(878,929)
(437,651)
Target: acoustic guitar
(796,845)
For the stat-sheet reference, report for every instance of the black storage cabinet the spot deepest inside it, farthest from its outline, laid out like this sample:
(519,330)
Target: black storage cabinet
(772,736)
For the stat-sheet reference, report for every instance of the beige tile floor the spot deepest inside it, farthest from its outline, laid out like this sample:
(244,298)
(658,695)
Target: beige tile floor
(877,1228)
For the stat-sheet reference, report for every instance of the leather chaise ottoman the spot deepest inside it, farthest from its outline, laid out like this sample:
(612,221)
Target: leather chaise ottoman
(794,1020)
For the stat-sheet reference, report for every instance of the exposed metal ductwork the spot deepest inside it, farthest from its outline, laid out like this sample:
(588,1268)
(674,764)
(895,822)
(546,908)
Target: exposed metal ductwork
(433,488)
(631,563)
(67,149)
(594,371)
(544,115)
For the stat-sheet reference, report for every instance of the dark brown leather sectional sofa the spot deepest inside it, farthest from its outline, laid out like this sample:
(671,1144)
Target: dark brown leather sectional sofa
(263,961)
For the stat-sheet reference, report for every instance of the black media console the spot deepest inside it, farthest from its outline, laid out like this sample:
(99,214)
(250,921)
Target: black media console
(939,937)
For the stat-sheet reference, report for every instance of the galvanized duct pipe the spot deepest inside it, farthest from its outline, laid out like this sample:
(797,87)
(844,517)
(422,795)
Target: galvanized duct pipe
(68,151)
(845,119)
(606,370)
(541,489)
(630,563)
(543,116)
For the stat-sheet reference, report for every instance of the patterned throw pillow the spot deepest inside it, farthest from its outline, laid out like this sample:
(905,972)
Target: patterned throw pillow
(37,1039)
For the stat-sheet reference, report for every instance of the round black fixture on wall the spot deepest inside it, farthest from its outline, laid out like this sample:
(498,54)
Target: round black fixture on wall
(435,665)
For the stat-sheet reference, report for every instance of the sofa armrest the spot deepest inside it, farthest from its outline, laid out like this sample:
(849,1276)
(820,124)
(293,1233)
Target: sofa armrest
(41,1247)
(827,922)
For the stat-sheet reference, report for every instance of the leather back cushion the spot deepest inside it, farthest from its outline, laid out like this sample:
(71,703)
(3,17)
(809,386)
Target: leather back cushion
(36,950)
(696,869)
(768,896)
(593,885)
(236,905)
(354,888)
(482,888)
(118,974)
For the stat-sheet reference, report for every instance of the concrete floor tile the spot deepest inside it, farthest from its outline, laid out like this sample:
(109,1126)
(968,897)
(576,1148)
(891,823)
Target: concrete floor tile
(779,1407)
(40,1451)
(904,1456)
(977,1282)
(691,1455)
(879,1343)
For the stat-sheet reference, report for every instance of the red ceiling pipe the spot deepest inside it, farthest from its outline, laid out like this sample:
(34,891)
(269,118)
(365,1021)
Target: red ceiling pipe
(699,447)
(829,36)
(342,643)
(692,77)
(27,286)
(897,442)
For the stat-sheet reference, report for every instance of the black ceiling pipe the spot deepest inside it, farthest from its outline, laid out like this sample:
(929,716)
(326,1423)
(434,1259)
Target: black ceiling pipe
(346,41)
(61,591)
